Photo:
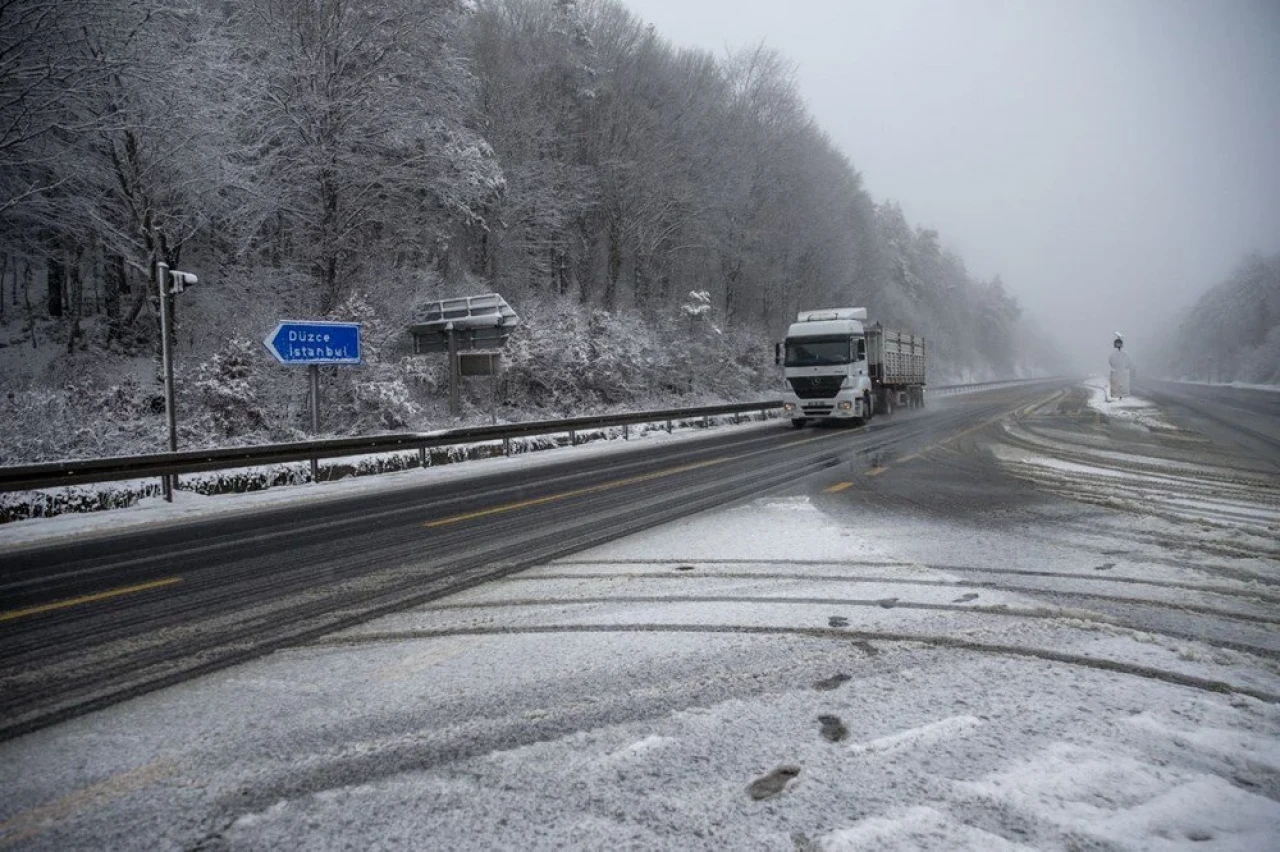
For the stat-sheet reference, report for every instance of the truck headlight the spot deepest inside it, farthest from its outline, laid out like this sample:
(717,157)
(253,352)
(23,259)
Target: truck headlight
(786,406)
(846,405)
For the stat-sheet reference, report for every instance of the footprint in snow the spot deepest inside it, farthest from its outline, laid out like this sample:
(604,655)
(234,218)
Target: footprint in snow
(837,621)
(832,682)
(833,730)
(972,596)
(888,603)
(769,785)
(1105,566)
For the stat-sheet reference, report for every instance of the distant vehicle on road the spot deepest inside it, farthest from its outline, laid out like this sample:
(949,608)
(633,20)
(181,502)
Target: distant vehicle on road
(838,367)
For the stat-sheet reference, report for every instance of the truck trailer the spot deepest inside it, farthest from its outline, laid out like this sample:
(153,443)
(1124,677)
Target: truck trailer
(838,367)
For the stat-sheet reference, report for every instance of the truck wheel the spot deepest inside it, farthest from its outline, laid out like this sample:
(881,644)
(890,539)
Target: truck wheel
(798,422)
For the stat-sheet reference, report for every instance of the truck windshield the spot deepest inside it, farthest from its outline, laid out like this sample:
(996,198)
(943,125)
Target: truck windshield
(817,351)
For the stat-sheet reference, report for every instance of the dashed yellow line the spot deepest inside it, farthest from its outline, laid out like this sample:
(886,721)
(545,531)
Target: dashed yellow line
(577,492)
(609,486)
(837,488)
(876,471)
(84,599)
(941,445)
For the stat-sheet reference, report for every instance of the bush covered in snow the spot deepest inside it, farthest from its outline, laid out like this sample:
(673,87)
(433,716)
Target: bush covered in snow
(226,391)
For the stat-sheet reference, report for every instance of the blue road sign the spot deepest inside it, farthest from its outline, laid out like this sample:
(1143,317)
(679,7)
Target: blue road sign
(305,342)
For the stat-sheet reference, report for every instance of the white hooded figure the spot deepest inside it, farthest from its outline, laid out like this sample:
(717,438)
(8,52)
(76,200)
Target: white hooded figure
(1121,370)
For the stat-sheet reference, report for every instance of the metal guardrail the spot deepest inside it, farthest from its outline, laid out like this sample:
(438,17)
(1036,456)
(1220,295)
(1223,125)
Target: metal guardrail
(950,389)
(55,474)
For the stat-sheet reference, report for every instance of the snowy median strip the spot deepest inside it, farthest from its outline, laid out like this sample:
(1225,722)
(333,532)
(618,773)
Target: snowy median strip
(1130,409)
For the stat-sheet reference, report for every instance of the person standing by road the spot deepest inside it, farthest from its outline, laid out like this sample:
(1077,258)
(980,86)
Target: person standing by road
(1121,370)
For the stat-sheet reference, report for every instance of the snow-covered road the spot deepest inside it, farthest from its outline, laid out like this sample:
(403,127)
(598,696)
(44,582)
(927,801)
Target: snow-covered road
(1058,632)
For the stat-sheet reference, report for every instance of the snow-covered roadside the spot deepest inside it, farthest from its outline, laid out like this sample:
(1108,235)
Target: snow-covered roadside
(190,506)
(1131,409)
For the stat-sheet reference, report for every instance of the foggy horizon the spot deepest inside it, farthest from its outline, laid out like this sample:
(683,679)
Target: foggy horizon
(1110,161)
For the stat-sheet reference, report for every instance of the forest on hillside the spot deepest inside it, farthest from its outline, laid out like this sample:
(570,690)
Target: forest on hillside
(1232,332)
(656,215)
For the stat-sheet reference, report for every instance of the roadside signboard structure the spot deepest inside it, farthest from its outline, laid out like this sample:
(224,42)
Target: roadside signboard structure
(464,325)
(314,344)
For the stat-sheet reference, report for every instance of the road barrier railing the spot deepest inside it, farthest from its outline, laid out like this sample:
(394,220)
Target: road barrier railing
(118,468)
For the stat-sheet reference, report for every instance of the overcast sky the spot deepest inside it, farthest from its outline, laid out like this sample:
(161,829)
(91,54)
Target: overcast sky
(1111,159)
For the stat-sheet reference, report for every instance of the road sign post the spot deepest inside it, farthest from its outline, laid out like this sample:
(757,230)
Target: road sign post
(313,344)
(455,405)
(314,371)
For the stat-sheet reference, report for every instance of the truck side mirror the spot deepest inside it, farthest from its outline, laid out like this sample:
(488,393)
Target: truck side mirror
(777,354)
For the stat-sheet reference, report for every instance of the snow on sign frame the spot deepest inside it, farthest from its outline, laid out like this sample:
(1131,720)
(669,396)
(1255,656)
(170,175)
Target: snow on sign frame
(314,342)
(473,322)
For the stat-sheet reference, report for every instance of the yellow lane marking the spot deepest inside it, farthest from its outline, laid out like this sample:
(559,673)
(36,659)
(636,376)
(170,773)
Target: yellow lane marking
(84,599)
(876,471)
(28,824)
(577,492)
(838,487)
(961,434)
(995,419)
(617,483)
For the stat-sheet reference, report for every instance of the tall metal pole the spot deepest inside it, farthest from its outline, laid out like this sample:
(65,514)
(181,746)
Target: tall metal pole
(166,357)
(313,371)
(455,407)
(493,388)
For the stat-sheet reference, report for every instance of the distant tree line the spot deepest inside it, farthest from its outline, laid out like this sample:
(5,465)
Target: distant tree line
(1232,332)
(299,154)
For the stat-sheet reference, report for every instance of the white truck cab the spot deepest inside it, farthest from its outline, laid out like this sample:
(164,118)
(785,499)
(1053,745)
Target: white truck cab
(837,367)
(824,362)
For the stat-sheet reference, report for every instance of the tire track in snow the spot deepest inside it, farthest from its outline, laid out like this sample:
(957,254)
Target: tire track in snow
(1047,613)
(852,637)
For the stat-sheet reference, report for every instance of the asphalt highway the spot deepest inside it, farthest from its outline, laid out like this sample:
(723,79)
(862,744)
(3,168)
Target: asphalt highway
(88,623)
(1245,417)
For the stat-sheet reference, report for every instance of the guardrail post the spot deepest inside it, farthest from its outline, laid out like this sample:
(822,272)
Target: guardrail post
(573,438)
(506,446)
(626,432)
(422,456)
(668,425)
